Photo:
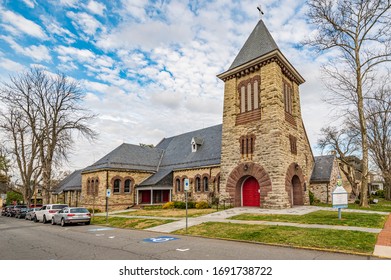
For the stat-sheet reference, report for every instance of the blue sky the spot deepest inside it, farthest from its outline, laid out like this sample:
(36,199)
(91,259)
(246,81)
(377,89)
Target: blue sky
(149,67)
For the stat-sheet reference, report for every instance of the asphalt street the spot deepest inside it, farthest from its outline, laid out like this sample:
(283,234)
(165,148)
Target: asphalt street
(25,240)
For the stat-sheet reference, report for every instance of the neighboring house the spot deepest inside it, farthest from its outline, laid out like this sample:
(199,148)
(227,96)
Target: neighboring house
(69,190)
(260,156)
(324,177)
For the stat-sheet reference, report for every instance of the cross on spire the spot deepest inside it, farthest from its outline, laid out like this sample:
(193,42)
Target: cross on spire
(259,7)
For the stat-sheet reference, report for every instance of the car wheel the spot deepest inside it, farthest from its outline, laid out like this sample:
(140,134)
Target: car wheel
(44,219)
(35,219)
(62,222)
(87,223)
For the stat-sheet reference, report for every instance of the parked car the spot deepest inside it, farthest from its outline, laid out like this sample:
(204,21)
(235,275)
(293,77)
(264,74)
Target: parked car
(47,211)
(14,210)
(30,213)
(20,211)
(72,215)
(5,210)
(8,210)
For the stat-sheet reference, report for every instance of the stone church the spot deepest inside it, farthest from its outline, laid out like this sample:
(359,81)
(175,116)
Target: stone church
(259,156)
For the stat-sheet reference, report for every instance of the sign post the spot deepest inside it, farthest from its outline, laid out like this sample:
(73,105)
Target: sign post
(340,198)
(186,189)
(108,193)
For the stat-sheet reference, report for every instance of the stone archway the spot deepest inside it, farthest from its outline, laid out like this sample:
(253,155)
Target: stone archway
(294,184)
(240,173)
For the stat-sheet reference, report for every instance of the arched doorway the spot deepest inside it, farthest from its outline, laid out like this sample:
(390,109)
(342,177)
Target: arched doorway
(251,193)
(297,192)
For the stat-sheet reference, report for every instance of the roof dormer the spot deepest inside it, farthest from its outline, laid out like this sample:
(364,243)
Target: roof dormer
(196,142)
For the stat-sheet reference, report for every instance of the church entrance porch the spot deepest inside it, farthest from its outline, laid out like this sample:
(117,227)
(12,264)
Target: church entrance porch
(153,196)
(297,192)
(251,193)
(295,185)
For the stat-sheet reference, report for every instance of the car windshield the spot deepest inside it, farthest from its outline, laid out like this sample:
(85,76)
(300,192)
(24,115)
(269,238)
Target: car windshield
(59,206)
(79,210)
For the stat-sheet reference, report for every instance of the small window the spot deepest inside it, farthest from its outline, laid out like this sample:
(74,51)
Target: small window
(218,184)
(198,184)
(128,184)
(96,187)
(117,183)
(293,144)
(206,185)
(88,187)
(247,144)
(178,185)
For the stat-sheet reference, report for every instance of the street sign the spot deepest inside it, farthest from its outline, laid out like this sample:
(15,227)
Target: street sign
(4,196)
(108,192)
(340,197)
(187,185)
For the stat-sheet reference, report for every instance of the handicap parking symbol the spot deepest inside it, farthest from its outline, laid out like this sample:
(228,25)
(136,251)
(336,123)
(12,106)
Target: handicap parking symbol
(159,239)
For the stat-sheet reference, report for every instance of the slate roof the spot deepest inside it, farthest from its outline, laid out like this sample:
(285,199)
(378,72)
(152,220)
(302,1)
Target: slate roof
(71,182)
(258,44)
(322,169)
(129,157)
(178,153)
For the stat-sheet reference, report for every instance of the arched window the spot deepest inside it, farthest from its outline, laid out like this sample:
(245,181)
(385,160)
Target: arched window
(96,189)
(128,186)
(88,187)
(117,184)
(198,184)
(205,183)
(178,185)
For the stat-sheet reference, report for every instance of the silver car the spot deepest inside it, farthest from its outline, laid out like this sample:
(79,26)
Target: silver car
(71,215)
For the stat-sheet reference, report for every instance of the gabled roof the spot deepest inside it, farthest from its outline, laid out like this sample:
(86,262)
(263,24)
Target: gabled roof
(71,182)
(258,44)
(323,169)
(129,157)
(178,152)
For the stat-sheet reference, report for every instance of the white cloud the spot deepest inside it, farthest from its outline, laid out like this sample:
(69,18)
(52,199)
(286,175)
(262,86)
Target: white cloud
(67,3)
(85,22)
(30,3)
(11,65)
(54,28)
(70,53)
(35,52)
(96,7)
(23,25)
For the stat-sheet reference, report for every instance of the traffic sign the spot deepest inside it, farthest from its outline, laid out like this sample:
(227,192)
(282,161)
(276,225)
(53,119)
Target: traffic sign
(187,185)
(108,192)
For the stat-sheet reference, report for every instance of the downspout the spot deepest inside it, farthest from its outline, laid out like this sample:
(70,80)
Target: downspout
(327,199)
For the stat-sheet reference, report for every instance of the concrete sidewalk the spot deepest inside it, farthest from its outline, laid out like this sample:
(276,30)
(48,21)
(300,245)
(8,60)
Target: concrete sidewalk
(382,248)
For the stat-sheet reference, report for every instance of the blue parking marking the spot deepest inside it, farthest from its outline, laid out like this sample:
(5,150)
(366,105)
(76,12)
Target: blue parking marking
(160,239)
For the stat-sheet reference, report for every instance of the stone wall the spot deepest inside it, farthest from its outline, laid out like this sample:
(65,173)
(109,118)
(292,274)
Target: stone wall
(211,173)
(117,201)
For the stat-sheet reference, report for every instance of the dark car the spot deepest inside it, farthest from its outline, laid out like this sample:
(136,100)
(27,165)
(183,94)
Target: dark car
(20,211)
(7,210)
(15,209)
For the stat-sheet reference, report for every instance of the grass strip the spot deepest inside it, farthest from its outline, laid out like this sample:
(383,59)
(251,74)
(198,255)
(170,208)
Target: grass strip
(133,223)
(322,217)
(170,213)
(382,206)
(337,240)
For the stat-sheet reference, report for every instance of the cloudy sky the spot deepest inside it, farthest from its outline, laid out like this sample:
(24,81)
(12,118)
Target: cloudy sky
(149,67)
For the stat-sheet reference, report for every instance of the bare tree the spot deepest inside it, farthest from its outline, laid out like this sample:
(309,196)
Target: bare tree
(23,149)
(52,109)
(379,133)
(344,143)
(360,32)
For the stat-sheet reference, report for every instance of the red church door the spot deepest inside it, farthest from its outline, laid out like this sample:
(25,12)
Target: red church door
(250,193)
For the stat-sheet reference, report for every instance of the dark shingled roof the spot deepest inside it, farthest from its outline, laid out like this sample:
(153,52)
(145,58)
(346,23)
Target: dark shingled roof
(178,153)
(258,44)
(129,157)
(322,169)
(70,183)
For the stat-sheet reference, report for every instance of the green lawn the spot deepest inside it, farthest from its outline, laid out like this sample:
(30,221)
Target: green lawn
(323,218)
(338,240)
(382,206)
(133,223)
(170,213)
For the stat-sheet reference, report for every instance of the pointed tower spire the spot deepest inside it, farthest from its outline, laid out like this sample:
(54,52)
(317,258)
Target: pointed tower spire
(258,44)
